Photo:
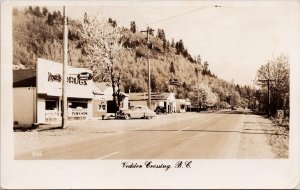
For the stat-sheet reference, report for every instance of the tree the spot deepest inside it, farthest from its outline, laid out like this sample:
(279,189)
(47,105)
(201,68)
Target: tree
(185,53)
(166,45)
(161,34)
(172,68)
(274,78)
(133,27)
(151,31)
(37,11)
(54,15)
(205,66)
(179,47)
(173,43)
(30,10)
(59,15)
(235,99)
(102,44)
(207,96)
(44,11)
(153,83)
(198,59)
(112,22)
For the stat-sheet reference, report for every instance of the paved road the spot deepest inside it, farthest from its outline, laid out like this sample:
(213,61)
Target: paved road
(176,136)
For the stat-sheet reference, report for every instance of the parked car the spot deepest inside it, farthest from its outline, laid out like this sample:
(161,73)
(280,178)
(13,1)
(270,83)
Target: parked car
(136,112)
(160,110)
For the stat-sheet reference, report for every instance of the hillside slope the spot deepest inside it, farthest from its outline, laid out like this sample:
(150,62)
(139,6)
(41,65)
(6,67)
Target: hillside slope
(37,33)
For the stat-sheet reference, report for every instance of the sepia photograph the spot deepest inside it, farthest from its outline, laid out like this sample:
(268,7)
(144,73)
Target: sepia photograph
(151,86)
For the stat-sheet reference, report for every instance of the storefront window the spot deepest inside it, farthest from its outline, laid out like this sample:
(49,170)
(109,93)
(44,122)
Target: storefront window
(51,104)
(78,104)
(51,110)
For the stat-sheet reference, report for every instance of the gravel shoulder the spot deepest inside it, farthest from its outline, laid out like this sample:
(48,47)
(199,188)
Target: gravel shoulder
(257,131)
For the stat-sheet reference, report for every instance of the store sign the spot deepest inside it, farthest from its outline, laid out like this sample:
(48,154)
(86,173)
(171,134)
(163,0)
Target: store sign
(49,80)
(58,78)
(85,76)
(52,77)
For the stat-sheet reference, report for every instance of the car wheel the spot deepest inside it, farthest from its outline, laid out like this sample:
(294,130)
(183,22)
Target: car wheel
(127,116)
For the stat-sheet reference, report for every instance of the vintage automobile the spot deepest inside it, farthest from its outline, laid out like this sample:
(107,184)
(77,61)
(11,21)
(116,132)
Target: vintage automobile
(136,112)
(160,110)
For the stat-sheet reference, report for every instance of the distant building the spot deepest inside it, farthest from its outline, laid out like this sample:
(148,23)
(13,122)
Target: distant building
(182,105)
(103,99)
(167,100)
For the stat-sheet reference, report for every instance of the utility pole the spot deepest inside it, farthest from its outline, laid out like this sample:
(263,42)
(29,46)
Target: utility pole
(148,31)
(198,90)
(268,81)
(65,73)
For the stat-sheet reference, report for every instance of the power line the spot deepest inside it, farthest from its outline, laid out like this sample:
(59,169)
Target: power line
(182,14)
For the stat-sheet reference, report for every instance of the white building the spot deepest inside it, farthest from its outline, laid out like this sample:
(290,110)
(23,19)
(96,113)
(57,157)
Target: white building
(37,94)
(167,100)
(103,100)
(182,105)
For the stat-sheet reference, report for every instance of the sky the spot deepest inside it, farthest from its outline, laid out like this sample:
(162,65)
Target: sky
(235,38)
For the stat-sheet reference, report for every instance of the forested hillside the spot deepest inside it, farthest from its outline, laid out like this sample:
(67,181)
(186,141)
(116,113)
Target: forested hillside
(38,33)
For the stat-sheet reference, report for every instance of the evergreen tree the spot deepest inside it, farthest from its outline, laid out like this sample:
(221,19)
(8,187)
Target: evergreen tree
(44,11)
(161,34)
(133,27)
(172,68)
(29,10)
(198,60)
(112,22)
(179,47)
(54,15)
(173,43)
(37,11)
(49,20)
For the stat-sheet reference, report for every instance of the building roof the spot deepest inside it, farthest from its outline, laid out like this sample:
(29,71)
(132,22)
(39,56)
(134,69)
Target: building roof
(24,78)
(102,85)
(144,96)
